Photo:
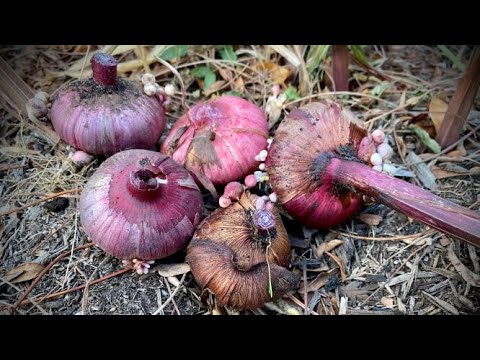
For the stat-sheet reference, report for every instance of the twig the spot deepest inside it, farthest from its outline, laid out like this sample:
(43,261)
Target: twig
(143,56)
(85,61)
(179,77)
(49,236)
(18,289)
(305,294)
(170,298)
(88,282)
(63,292)
(339,93)
(299,303)
(398,237)
(394,273)
(44,271)
(448,148)
(39,201)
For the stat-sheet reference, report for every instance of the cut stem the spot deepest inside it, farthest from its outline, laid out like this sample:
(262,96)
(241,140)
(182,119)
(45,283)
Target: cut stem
(419,204)
(461,102)
(340,59)
(104,69)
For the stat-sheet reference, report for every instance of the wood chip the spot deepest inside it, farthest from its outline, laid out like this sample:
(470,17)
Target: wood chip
(472,252)
(326,246)
(422,171)
(444,241)
(371,219)
(387,302)
(404,277)
(169,270)
(447,273)
(401,306)
(468,275)
(343,306)
(443,304)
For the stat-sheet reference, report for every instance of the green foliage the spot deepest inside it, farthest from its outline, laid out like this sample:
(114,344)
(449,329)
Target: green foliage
(227,53)
(359,54)
(291,93)
(426,139)
(205,73)
(174,52)
(316,54)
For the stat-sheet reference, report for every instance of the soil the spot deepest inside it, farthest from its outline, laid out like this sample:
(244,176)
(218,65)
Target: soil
(378,262)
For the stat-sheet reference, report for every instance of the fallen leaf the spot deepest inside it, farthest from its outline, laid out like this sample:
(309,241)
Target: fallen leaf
(414,100)
(402,148)
(371,219)
(456,153)
(354,290)
(450,172)
(427,240)
(444,241)
(440,303)
(278,73)
(387,302)
(23,272)
(239,85)
(226,74)
(326,246)
(169,270)
(467,275)
(214,87)
(425,138)
(437,110)
(423,172)
(319,281)
(339,263)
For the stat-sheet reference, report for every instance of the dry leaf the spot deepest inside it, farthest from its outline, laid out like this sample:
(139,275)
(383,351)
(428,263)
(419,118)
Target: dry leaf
(319,281)
(214,87)
(426,240)
(23,272)
(340,264)
(423,172)
(402,148)
(169,270)
(440,303)
(456,153)
(371,219)
(239,85)
(450,172)
(468,275)
(278,73)
(326,246)
(387,302)
(226,74)
(437,110)
(444,241)
(414,100)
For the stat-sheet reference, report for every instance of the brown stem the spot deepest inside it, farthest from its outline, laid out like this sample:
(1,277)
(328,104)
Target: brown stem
(44,271)
(419,204)
(340,58)
(461,102)
(104,69)
(36,202)
(67,291)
